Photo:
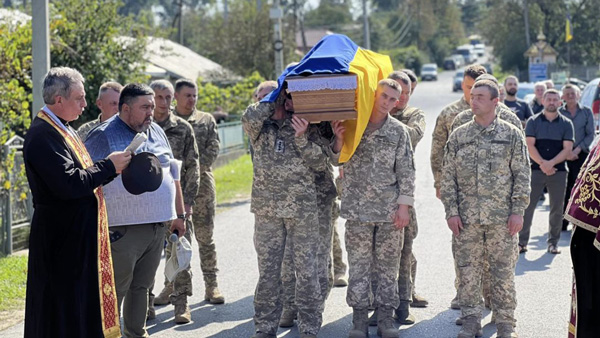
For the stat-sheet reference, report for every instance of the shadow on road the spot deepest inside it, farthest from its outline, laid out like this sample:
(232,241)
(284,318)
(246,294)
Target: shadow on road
(204,313)
(543,262)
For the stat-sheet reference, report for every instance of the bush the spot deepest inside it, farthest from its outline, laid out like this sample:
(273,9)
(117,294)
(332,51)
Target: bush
(233,99)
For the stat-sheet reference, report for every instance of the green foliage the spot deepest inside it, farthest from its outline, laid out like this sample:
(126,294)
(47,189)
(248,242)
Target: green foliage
(330,15)
(13,280)
(15,98)
(232,99)
(243,44)
(88,35)
(408,57)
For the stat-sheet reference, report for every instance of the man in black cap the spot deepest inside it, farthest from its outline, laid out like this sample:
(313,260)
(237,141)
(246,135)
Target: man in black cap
(138,211)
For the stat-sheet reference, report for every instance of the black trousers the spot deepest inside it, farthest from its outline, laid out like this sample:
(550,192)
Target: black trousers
(586,266)
(574,168)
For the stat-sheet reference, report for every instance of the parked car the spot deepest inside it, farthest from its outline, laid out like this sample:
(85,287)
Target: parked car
(590,96)
(572,80)
(467,51)
(480,49)
(525,88)
(457,80)
(488,68)
(453,62)
(429,72)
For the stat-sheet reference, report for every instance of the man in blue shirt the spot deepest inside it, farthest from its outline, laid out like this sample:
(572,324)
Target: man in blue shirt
(137,222)
(549,137)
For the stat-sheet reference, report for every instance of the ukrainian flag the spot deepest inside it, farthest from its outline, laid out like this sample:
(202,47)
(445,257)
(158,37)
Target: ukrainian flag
(337,54)
(568,29)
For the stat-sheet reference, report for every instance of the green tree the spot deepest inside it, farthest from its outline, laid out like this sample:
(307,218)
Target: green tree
(330,14)
(92,37)
(232,99)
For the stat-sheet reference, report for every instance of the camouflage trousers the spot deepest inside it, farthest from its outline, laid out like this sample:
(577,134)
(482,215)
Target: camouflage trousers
(407,260)
(203,220)
(474,243)
(486,286)
(270,237)
(288,272)
(339,267)
(373,247)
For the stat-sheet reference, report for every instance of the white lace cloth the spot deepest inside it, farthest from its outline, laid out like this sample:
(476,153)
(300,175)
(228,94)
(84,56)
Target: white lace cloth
(345,82)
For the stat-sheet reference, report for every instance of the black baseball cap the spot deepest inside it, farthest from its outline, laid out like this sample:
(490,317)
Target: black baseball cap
(143,174)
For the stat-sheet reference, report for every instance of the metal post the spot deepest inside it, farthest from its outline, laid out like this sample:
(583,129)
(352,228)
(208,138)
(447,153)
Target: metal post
(367,34)
(7,217)
(276,14)
(40,51)
(180,22)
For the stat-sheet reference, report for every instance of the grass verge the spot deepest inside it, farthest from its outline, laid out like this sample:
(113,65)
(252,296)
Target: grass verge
(13,278)
(234,180)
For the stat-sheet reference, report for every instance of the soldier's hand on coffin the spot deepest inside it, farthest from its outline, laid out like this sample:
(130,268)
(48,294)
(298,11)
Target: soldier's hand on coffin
(455,224)
(401,216)
(338,131)
(300,125)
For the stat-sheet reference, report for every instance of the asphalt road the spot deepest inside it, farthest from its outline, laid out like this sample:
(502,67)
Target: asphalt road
(543,281)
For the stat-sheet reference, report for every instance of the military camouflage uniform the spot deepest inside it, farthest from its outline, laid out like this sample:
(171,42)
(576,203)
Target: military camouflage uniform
(339,267)
(441,132)
(504,113)
(85,128)
(183,143)
(207,139)
(377,178)
(414,120)
(326,195)
(284,203)
(486,178)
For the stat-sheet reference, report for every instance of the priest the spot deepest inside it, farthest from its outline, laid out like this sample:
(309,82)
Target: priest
(70,284)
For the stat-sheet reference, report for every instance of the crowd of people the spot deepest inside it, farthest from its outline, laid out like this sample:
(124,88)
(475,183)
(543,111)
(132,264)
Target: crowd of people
(491,160)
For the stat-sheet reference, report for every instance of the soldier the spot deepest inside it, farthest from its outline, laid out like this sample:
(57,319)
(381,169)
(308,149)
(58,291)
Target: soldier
(265,88)
(320,134)
(376,198)
(413,79)
(284,204)
(183,144)
(107,102)
(203,212)
(441,132)
(339,267)
(414,120)
(485,189)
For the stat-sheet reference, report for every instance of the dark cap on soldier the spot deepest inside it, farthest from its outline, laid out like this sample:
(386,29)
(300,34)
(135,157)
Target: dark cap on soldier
(143,174)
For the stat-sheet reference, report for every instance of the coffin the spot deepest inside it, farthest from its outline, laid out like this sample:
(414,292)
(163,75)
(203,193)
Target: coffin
(324,97)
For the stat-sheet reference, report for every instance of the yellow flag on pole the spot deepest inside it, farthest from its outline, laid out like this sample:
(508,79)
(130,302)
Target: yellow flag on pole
(568,30)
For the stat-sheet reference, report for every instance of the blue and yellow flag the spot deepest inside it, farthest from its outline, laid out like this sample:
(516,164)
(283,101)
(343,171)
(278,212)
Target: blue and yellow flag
(568,29)
(337,54)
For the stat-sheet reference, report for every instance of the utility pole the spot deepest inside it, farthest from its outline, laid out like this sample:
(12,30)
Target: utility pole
(225,11)
(276,14)
(180,32)
(40,51)
(367,34)
(526,17)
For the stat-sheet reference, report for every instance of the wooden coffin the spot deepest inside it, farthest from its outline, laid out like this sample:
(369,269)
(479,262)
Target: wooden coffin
(324,97)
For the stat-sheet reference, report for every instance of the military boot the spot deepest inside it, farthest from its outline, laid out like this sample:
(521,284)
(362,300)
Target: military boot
(182,310)
(403,315)
(471,328)
(340,280)
(373,319)
(287,318)
(385,323)
(360,327)
(212,293)
(164,297)
(418,301)
(264,335)
(506,330)
(454,304)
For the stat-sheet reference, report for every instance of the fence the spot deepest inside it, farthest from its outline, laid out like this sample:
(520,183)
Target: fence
(231,135)
(15,212)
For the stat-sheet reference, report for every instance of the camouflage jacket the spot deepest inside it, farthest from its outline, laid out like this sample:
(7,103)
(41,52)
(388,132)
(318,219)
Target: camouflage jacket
(284,165)
(207,137)
(441,132)
(414,119)
(380,175)
(486,174)
(183,144)
(322,135)
(502,112)
(85,128)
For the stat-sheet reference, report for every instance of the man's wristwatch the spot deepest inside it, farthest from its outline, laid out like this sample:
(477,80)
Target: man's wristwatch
(181,216)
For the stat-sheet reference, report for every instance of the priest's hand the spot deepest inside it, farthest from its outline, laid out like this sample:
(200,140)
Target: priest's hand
(120,160)
(179,225)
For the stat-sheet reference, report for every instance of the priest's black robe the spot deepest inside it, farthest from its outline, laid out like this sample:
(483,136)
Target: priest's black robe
(62,278)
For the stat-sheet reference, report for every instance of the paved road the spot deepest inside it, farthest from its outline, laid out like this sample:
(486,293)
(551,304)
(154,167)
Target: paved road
(543,280)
